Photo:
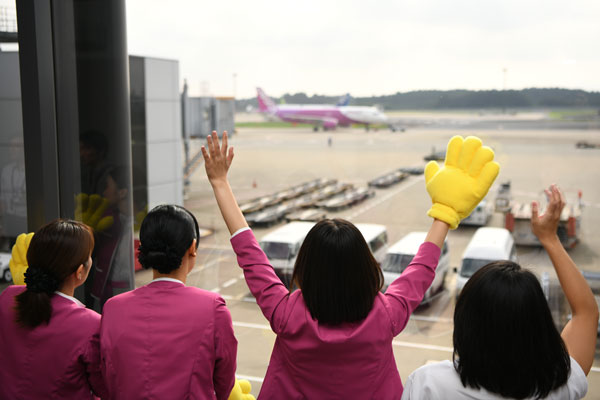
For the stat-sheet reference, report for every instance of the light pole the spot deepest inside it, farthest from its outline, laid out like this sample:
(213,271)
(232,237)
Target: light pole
(234,84)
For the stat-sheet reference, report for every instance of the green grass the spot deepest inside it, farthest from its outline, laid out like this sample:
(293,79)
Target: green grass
(570,114)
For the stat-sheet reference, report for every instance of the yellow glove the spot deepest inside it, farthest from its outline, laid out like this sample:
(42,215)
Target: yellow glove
(89,210)
(139,218)
(18,261)
(241,391)
(463,182)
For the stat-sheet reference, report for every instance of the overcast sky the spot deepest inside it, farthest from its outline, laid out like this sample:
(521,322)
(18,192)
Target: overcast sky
(367,48)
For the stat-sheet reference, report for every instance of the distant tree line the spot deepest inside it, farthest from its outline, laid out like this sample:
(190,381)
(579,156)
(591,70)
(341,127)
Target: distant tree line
(454,99)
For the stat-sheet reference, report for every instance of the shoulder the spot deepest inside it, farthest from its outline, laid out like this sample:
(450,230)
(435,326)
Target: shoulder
(85,317)
(119,299)
(186,296)
(577,384)
(433,381)
(442,368)
(12,290)
(7,298)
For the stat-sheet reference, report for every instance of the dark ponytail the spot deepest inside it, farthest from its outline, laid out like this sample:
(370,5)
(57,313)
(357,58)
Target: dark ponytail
(166,233)
(55,252)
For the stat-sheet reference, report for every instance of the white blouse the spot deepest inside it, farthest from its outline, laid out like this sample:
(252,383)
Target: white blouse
(441,381)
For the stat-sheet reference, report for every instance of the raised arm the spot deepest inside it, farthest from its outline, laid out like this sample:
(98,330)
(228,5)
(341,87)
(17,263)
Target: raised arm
(455,190)
(580,332)
(266,287)
(217,160)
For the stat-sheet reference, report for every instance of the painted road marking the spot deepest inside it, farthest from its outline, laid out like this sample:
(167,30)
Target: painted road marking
(229,283)
(431,319)
(211,264)
(397,343)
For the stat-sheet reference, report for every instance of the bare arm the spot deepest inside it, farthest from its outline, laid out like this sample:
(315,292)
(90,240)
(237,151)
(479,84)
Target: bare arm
(580,333)
(437,233)
(217,160)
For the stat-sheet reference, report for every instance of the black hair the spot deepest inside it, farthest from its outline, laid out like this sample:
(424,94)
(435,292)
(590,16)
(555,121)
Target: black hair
(56,250)
(166,233)
(338,275)
(120,175)
(96,140)
(504,338)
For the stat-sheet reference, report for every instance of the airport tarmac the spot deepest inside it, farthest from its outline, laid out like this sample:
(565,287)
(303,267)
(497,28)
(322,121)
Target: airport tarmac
(268,160)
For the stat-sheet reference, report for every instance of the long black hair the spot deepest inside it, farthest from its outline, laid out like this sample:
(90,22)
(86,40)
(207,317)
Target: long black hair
(165,235)
(56,251)
(504,338)
(337,273)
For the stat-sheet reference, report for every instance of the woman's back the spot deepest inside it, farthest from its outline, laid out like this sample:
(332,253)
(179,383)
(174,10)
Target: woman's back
(312,359)
(166,340)
(441,381)
(53,361)
(347,360)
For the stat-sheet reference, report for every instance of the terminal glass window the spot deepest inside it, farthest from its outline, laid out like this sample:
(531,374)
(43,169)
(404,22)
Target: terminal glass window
(278,251)
(396,262)
(472,265)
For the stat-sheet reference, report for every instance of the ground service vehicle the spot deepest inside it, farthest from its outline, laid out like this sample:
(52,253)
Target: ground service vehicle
(401,253)
(376,237)
(4,269)
(480,214)
(281,247)
(486,245)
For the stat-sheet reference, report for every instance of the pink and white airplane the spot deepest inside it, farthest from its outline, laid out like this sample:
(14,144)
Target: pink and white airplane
(322,115)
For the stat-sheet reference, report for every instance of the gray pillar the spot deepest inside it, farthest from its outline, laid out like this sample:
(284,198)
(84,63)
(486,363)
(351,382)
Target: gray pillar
(75,92)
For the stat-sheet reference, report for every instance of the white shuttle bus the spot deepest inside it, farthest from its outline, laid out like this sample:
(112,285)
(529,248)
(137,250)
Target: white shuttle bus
(376,237)
(401,254)
(480,214)
(486,245)
(281,247)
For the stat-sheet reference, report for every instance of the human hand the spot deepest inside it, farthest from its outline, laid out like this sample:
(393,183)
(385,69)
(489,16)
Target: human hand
(90,209)
(544,226)
(18,261)
(462,182)
(241,391)
(217,159)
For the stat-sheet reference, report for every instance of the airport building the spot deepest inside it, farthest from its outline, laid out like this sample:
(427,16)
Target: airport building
(87,127)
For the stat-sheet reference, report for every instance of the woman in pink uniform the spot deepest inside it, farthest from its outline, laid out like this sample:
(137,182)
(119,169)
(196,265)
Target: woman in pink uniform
(334,335)
(166,340)
(48,340)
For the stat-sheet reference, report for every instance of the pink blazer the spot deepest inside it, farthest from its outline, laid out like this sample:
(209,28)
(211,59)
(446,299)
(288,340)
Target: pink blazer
(60,360)
(166,340)
(350,361)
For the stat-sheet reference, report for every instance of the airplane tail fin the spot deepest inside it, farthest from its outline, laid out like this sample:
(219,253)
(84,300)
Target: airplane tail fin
(344,100)
(264,102)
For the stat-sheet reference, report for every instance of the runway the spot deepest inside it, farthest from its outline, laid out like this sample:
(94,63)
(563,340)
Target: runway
(273,159)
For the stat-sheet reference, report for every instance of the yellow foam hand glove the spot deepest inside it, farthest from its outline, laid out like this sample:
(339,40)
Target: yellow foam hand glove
(18,260)
(241,391)
(139,218)
(463,181)
(90,209)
